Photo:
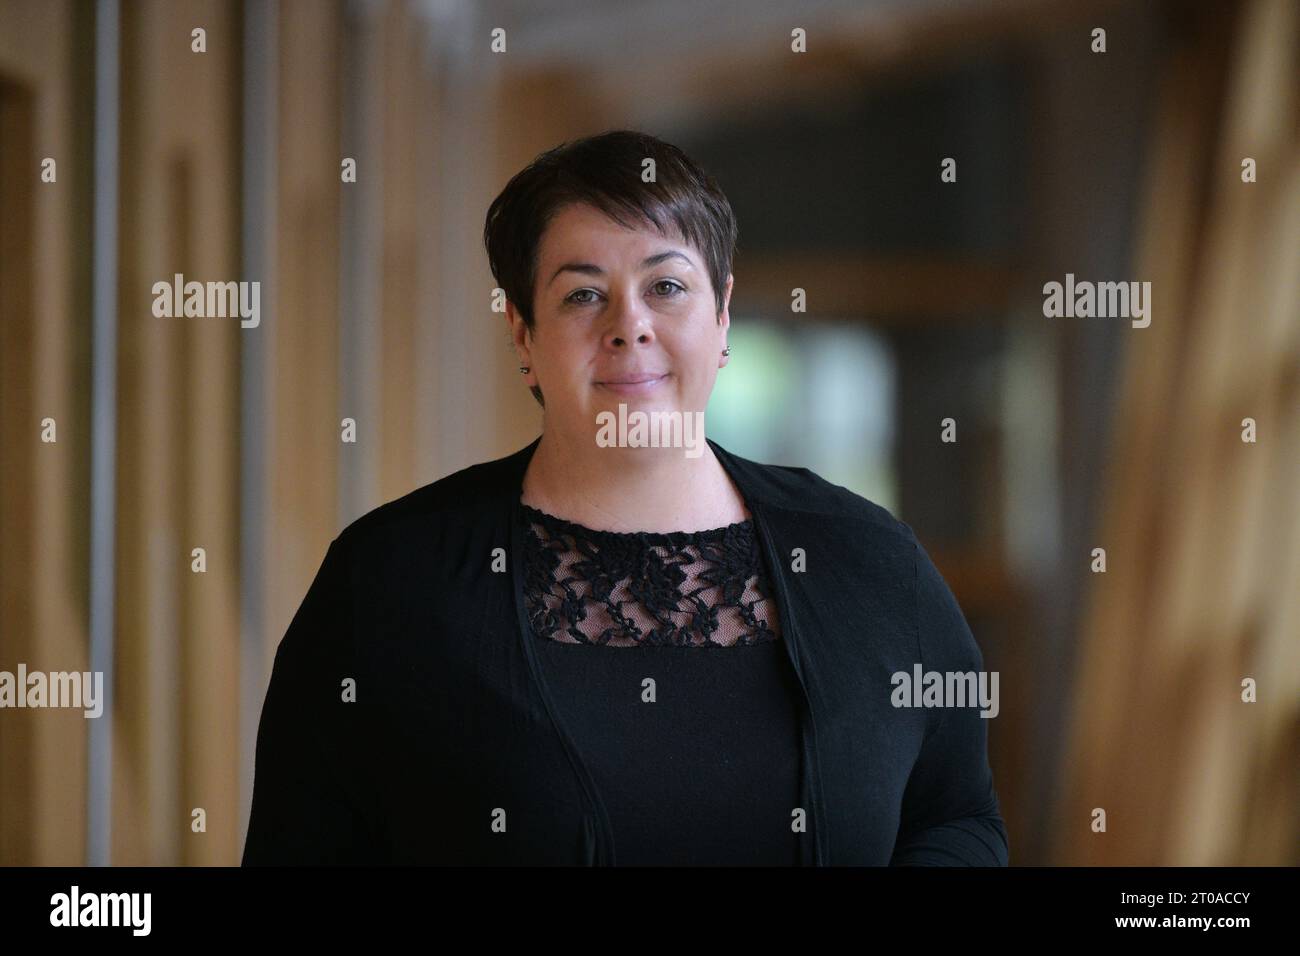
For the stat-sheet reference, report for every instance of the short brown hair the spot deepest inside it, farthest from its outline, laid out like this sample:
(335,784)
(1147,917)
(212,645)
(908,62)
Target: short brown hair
(604,171)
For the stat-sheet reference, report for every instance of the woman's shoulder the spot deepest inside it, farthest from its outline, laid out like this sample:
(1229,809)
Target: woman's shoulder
(462,499)
(799,488)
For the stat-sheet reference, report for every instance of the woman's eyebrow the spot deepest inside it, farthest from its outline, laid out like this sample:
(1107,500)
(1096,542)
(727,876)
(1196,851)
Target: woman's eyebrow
(587,268)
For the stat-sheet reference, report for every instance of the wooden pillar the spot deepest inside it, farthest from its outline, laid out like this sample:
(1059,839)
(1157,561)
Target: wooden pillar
(1202,528)
(176,740)
(44,373)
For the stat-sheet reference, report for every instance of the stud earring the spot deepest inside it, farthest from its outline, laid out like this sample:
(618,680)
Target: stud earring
(727,350)
(523,368)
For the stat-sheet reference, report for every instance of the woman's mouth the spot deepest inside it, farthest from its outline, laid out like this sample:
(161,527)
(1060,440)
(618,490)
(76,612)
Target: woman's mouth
(634,384)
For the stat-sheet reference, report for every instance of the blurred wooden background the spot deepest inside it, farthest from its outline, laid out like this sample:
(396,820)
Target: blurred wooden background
(1122,690)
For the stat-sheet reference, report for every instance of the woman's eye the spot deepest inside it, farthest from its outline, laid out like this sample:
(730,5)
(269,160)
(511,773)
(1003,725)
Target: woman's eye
(674,288)
(573,297)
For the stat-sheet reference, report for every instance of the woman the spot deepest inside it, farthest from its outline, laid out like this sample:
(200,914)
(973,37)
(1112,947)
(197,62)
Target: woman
(604,650)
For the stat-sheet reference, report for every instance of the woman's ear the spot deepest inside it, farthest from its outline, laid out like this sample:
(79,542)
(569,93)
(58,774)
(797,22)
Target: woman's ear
(520,335)
(724,317)
(522,338)
(724,321)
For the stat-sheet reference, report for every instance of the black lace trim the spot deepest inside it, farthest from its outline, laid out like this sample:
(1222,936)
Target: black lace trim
(654,588)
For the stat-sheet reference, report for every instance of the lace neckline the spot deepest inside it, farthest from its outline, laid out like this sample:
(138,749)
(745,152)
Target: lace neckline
(676,538)
(628,588)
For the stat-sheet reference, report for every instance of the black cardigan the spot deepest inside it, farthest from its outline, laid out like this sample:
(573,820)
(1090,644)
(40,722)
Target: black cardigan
(406,720)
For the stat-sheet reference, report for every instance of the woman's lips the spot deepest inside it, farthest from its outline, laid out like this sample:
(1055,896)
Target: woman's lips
(634,384)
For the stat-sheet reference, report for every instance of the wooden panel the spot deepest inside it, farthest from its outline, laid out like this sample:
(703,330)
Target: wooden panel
(175,745)
(303,321)
(399,260)
(43,491)
(19,437)
(902,289)
(1201,528)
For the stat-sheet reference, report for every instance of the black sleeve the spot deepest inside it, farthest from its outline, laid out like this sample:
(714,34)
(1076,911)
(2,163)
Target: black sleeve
(306,809)
(950,814)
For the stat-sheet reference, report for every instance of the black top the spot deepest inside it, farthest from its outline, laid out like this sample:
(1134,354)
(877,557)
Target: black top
(674,684)
(409,688)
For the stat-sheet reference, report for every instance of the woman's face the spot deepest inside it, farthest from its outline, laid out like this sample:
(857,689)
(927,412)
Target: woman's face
(620,316)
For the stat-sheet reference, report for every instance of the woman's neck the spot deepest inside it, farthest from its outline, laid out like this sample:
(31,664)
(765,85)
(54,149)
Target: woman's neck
(630,489)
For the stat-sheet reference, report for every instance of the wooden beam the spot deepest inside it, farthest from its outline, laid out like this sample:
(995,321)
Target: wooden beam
(885,289)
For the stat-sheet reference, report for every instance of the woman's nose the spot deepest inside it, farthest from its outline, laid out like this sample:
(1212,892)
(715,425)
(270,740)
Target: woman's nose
(629,320)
